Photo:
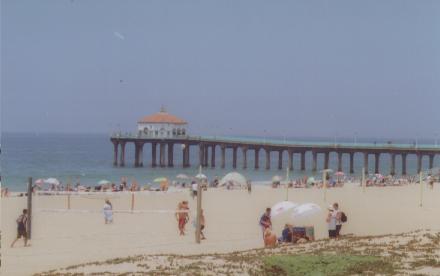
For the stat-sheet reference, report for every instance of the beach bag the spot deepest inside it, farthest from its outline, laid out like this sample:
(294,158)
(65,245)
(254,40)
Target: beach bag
(343,217)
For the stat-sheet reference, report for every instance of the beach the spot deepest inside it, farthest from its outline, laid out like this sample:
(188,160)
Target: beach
(61,239)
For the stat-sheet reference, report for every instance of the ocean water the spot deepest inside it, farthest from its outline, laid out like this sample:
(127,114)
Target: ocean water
(89,157)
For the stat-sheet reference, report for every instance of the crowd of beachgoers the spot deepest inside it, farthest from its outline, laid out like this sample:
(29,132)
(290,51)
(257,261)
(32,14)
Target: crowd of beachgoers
(164,184)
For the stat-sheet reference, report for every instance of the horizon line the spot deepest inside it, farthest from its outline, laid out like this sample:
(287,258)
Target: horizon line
(228,135)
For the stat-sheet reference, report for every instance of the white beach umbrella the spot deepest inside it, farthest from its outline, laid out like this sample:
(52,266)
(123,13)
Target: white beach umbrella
(282,207)
(182,176)
(52,181)
(276,178)
(305,210)
(201,176)
(235,178)
(104,182)
(39,182)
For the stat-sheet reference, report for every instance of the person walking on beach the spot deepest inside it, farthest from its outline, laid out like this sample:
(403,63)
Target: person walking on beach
(331,222)
(108,212)
(338,215)
(22,228)
(265,221)
(182,216)
(194,187)
(249,186)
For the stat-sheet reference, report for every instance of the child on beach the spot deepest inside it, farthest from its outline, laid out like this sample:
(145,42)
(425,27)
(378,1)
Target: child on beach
(270,239)
(108,212)
(182,216)
(22,228)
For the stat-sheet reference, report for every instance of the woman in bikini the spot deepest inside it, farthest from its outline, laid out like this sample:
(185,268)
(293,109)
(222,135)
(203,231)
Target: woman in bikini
(182,216)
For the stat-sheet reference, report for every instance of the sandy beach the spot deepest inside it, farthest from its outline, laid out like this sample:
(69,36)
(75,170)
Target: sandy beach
(60,239)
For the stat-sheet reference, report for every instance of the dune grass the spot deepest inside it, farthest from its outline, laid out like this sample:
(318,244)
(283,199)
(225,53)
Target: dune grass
(330,265)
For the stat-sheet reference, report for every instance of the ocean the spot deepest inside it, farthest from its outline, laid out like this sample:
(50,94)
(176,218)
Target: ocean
(89,157)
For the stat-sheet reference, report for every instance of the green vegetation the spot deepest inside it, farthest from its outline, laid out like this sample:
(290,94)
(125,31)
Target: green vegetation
(315,265)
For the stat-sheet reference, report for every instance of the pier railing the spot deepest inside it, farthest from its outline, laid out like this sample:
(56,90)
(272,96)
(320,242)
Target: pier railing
(281,143)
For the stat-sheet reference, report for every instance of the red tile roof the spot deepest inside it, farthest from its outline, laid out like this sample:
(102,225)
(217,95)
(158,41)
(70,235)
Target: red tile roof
(162,117)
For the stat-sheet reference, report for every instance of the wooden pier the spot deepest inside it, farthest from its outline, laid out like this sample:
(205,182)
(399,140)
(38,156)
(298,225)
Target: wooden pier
(162,152)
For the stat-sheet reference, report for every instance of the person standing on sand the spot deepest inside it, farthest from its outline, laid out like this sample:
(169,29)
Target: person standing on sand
(22,228)
(265,221)
(194,188)
(108,212)
(338,215)
(331,222)
(182,216)
(249,186)
(202,224)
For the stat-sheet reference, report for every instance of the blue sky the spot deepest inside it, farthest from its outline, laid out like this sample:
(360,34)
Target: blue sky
(290,68)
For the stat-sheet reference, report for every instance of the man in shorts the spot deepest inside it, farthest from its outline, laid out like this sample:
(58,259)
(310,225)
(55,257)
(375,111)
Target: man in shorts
(22,228)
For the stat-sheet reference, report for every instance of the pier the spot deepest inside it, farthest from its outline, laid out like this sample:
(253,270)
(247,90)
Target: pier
(162,152)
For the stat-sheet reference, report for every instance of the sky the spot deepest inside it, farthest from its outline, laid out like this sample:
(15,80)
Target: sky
(237,67)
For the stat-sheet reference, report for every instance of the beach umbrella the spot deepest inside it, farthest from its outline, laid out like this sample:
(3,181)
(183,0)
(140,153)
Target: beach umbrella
(160,179)
(310,180)
(305,210)
(201,176)
(104,182)
(235,178)
(39,182)
(182,176)
(339,173)
(52,181)
(276,178)
(282,207)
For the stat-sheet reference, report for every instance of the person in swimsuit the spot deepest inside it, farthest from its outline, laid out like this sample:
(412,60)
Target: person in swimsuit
(270,239)
(182,216)
(22,228)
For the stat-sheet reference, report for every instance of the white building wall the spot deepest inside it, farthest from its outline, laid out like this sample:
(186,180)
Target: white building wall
(160,130)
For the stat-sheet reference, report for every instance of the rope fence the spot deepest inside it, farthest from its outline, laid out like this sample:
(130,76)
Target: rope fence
(101,196)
